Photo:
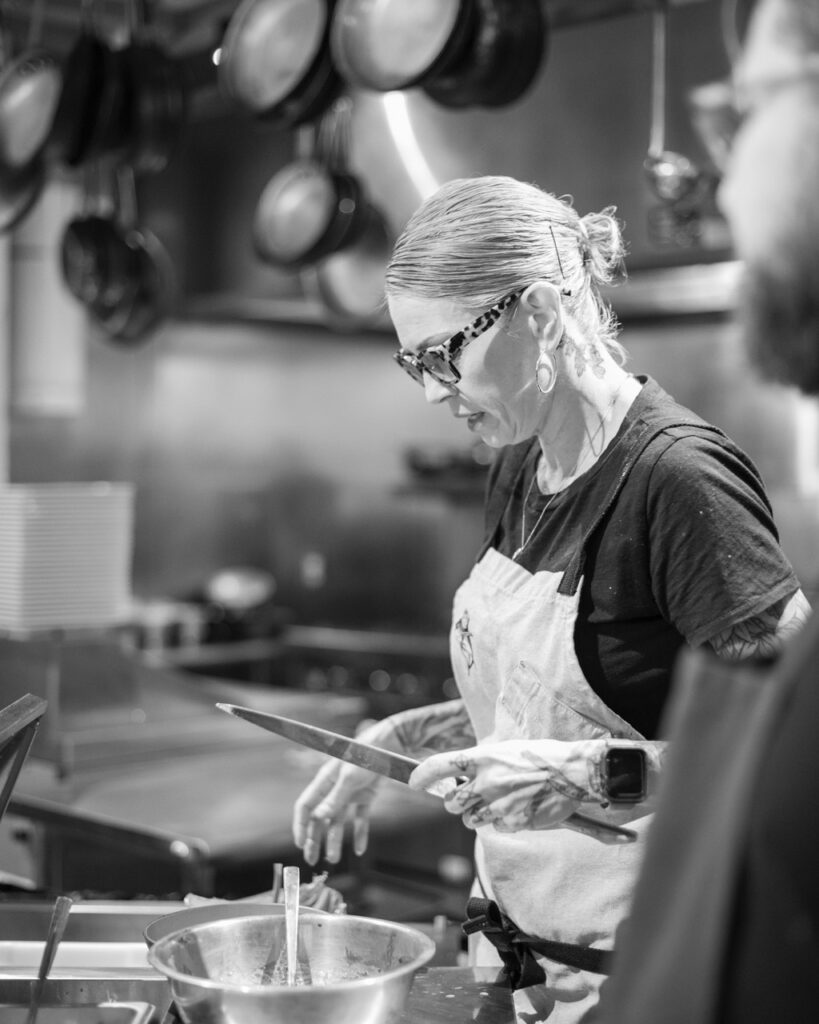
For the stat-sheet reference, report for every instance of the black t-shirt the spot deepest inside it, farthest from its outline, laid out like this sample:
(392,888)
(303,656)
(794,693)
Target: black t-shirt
(687,549)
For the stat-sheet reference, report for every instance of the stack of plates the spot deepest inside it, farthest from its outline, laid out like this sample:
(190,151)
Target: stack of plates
(65,555)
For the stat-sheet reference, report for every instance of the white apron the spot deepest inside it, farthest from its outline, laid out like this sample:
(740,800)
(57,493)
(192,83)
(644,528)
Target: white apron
(513,656)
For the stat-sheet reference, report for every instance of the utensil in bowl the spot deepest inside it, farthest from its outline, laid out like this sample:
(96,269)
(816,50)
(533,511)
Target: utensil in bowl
(362,970)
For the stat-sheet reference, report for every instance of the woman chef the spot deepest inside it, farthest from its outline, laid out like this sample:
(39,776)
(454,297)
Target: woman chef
(619,526)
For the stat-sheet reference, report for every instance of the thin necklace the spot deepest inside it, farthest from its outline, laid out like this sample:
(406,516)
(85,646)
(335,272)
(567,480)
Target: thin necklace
(526,537)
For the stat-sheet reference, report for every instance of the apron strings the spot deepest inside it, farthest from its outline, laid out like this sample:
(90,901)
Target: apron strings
(517,949)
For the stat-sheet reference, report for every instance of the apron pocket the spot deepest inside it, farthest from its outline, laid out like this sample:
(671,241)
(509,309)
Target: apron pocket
(526,707)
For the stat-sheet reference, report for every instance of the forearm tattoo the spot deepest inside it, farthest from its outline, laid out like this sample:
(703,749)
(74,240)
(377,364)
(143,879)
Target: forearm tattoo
(434,729)
(763,635)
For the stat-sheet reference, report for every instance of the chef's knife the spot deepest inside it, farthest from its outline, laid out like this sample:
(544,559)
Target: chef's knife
(394,766)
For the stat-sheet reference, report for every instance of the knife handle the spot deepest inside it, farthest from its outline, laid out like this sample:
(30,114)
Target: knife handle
(601,830)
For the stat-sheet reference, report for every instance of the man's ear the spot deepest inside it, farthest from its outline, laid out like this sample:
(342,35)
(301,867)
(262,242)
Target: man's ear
(543,314)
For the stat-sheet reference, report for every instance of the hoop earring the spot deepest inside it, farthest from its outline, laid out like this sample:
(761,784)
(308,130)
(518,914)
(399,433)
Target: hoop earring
(545,373)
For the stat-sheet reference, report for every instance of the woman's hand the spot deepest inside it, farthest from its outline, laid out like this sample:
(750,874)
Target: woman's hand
(341,790)
(338,791)
(517,784)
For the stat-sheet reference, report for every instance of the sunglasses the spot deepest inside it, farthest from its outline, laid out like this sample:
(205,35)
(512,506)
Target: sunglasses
(439,360)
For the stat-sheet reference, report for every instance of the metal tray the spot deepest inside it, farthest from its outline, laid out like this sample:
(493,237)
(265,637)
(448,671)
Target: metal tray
(113,1013)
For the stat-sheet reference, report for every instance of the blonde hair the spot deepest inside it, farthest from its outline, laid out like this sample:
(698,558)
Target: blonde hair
(478,239)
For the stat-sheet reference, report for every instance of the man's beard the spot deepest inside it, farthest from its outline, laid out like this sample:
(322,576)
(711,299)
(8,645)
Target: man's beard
(778,312)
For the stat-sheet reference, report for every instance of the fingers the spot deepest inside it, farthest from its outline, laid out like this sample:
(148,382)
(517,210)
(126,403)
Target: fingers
(312,795)
(322,808)
(438,767)
(361,830)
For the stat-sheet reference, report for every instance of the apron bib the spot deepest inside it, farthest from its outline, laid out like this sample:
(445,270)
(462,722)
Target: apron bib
(513,657)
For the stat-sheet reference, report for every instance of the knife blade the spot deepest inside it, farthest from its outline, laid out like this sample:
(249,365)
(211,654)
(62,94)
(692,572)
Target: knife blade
(392,765)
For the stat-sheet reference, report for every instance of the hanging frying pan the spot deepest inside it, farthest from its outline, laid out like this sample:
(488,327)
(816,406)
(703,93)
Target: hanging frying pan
(83,83)
(461,52)
(350,283)
(112,117)
(19,190)
(29,90)
(275,59)
(305,212)
(98,265)
(313,206)
(159,106)
(148,274)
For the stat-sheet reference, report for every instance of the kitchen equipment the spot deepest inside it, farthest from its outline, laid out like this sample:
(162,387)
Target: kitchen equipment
(56,928)
(275,59)
(214,910)
(98,265)
(147,277)
(461,52)
(672,176)
(103,1013)
(349,283)
(29,91)
(83,86)
(18,725)
(361,968)
(394,766)
(291,920)
(157,94)
(313,206)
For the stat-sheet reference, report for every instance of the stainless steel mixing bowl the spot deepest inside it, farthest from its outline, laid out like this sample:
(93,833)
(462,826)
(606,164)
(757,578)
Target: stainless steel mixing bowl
(351,970)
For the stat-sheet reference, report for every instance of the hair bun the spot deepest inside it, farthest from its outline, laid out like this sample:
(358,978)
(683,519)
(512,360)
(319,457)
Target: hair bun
(601,244)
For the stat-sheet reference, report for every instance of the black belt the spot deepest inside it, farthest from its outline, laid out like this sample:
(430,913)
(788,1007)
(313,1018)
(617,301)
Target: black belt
(517,949)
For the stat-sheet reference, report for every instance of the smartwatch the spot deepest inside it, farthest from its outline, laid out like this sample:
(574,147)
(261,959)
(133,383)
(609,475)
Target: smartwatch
(625,774)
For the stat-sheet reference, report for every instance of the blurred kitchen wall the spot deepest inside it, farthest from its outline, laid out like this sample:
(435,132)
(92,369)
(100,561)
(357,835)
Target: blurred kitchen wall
(282,445)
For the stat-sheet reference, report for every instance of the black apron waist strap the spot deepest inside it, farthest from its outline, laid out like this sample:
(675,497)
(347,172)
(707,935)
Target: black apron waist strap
(517,949)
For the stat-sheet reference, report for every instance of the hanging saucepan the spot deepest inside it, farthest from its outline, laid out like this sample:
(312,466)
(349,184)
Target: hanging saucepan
(99,266)
(111,122)
(305,212)
(160,106)
(350,283)
(313,206)
(84,77)
(275,59)
(29,90)
(461,52)
(19,190)
(159,101)
(147,297)
(135,322)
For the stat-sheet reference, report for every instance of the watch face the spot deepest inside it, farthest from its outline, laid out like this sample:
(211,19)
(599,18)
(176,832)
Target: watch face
(626,774)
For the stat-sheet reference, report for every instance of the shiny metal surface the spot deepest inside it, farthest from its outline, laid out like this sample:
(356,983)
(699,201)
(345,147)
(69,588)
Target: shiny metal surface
(114,1013)
(210,912)
(365,755)
(361,970)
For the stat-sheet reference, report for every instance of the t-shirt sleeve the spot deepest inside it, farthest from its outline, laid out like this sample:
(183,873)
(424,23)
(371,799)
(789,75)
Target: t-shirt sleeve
(715,558)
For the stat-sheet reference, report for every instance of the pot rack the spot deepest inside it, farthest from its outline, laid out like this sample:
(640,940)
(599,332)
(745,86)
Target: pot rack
(186,25)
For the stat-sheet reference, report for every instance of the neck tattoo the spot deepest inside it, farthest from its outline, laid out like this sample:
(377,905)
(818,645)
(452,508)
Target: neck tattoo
(579,468)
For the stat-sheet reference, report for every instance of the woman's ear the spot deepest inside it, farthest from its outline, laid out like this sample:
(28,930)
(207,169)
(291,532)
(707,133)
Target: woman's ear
(540,303)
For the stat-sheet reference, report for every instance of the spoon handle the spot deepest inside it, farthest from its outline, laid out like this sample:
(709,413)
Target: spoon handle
(56,927)
(291,913)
